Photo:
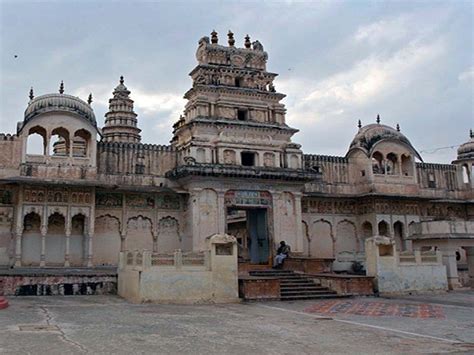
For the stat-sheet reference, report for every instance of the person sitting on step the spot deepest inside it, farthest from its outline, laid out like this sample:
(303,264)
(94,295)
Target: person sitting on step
(282,253)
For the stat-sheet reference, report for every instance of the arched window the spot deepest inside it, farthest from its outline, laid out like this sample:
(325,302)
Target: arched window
(80,144)
(59,143)
(367,232)
(398,235)
(383,228)
(465,174)
(378,164)
(36,141)
(392,164)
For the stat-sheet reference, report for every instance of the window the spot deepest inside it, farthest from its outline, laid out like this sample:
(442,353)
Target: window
(431,180)
(247,158)
(238,82)
(241,115)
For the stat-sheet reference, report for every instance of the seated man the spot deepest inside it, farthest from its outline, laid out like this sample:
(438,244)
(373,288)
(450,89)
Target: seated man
(282,253)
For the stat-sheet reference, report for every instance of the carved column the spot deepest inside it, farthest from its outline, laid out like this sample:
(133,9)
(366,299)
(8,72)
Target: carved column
(19,226)
(89,249)
(221,212)
(68,239)
(18,235)
(44,232)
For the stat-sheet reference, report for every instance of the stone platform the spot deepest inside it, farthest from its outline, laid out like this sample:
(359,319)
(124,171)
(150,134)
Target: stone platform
(58,281)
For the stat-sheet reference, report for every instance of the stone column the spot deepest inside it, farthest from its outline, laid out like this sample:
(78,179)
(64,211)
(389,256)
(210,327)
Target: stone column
(18,236)
(44,232)
(89,249)
(221,212)
(449,260)
(299,224)
(470,264)
(66,252)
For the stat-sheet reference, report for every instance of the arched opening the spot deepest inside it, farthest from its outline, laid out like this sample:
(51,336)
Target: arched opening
(31,240)
(367,232)
(322,243)
(392,164)
(80,144)
(76,240)
(465,174)
(55,240)
(398,235)
(59,143)
(107,241)
(346,238)
(168,235)
(36,141)
(139,234)
(378,164)
(407,165)
(383,228)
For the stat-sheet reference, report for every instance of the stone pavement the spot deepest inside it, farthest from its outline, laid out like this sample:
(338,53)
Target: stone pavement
(109,325)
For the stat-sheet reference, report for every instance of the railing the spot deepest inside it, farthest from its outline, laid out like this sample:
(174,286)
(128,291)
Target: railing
(147,259)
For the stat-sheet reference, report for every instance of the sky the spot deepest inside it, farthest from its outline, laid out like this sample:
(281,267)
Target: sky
(338,62)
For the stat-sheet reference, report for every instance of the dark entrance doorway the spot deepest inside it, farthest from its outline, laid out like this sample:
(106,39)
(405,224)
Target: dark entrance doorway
(249,226)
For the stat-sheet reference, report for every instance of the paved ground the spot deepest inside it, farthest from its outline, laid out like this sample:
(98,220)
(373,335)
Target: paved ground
(107,324)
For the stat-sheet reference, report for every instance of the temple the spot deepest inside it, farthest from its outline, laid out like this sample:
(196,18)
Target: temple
(232,168)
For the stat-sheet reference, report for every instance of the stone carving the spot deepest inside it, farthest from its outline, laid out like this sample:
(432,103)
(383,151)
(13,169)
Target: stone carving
(107,199)
(34,195)
(244,197)
(269,160)
(139,201)
(6,197)
(257,46)
(229,156)
(168,202)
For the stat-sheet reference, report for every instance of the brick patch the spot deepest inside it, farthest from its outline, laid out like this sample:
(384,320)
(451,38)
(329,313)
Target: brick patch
(377,309)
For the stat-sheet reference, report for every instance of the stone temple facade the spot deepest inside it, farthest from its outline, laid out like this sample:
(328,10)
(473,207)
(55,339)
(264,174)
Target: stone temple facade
(231,167)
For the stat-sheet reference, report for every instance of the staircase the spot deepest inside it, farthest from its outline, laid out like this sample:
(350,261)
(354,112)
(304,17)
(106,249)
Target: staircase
(295,286)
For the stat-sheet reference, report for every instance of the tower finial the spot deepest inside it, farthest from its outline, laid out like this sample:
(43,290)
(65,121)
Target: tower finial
(398,127)
(121,79)
(89,99)
(231,40)
(214,38)
(247,42)
(359,124)
(32,96)
(378,119)
(61,87)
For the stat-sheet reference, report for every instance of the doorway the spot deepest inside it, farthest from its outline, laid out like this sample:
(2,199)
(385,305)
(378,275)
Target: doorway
(249,226)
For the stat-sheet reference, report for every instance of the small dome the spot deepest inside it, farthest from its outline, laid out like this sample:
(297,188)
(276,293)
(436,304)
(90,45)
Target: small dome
(466,150)
(58,103)
(368,136)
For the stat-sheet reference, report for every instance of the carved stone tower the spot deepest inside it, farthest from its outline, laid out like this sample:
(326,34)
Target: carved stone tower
(233,115)
(121,120)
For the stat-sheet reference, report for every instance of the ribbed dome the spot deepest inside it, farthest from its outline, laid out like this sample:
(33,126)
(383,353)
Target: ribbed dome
(466,150)
(368,136)
(58,103)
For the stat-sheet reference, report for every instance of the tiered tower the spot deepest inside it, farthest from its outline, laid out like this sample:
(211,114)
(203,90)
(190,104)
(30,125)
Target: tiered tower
(234,115)
(121,120)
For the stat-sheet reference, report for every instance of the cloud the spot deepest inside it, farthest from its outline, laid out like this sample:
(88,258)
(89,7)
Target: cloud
(467,75)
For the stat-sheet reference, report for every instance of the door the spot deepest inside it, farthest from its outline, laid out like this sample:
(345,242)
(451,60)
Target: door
(257,229)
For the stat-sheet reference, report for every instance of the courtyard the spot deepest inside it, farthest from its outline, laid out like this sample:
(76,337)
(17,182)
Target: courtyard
(439,323)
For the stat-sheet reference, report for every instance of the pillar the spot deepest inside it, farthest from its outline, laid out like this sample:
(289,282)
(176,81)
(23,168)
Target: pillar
(18,236)
(89,249)
(67,252)
(299,223)
(44,231)
(449,260)
(221,212)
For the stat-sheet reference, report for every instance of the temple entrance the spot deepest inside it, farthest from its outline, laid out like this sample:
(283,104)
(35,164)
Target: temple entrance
(249,226)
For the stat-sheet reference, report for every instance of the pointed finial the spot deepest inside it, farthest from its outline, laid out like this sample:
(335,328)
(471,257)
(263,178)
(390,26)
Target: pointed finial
(398,127)
(121,79)
(61,87)
(247,42)
(378,119)
(359,124)
(471,133)
(32,96)
(89,99)
(214,38)
(231,40)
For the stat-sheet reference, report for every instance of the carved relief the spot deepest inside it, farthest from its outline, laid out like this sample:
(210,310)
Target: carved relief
(6,197)
(34,195)
(269,160)
(245,197)
(107,199)
(139,201)
(229,156)
(168,202)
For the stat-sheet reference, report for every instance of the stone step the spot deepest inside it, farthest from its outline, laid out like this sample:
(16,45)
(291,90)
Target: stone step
(302,288)
(309,297)
(295,282)
(306,293)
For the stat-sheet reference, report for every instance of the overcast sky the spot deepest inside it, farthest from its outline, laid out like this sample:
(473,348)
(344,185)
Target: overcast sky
(411,62)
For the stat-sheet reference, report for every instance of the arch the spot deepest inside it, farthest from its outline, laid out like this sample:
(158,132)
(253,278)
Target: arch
(31,239)
(346,237)
(139,233)
(407,165)
(392,164)
(169,238)
(77,240)
(81,143)
(106,243)
(367,232)
(322,241)
(383,229)
(36,142)
(55,239)
(398,231)
(59,144)
(378,163)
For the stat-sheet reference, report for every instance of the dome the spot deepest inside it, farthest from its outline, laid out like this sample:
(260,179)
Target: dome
(466,150)
(58,103)
(368,136)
